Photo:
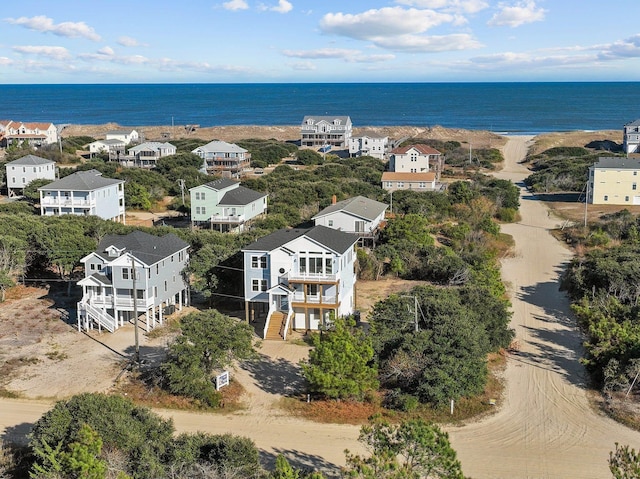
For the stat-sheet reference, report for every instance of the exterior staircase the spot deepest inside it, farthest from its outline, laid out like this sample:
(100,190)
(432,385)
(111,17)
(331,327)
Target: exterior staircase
(275,326)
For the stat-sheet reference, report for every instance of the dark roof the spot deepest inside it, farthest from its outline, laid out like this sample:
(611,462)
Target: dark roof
(335,240)
(81,181)
(358,206)
(30,160)
(240,196)
(617,162)
(147,248)
(221,184)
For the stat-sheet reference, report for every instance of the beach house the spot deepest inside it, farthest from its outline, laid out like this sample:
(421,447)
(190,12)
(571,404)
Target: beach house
(225,205)
(298,279)
(322,131)
(127,136)
(84,193)
(358,215)
(631,137)
(222,158)
(614,181)
(414,159)
(392,181)
(146,155)
(33,134)
(24,170)
(369,145)
(135,274)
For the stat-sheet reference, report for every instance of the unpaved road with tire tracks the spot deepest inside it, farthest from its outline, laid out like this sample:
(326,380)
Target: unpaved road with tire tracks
(544,427)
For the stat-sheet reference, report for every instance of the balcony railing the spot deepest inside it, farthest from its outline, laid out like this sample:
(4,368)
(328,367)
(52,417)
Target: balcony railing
(120,302)
(236,219)
(315,299)
(64,201)
(293,277)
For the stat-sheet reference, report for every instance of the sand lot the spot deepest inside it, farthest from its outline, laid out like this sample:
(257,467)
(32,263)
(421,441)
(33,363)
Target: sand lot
(544,428)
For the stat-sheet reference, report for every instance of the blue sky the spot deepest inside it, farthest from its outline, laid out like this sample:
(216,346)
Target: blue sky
(258,41)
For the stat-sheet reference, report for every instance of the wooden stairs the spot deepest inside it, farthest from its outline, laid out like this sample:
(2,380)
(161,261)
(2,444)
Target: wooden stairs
(275,326)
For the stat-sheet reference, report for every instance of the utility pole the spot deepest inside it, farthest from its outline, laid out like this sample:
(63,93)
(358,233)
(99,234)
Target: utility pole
(136,354)
(586,201)
(181,182)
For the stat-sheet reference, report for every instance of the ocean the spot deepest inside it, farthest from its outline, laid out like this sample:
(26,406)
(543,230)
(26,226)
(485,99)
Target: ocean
(508,108)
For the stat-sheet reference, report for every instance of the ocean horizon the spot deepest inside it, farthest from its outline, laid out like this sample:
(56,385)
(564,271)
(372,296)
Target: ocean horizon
(506,108)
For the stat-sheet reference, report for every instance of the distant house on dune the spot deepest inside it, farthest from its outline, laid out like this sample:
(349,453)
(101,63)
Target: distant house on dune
(614,181)
(414,159)
(222,158)
(369,145)
(631,137)
(320,131)
(146,155)
(34,134)
(127,136)
(24,170)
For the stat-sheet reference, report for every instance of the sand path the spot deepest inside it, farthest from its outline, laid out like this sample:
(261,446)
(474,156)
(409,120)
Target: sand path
(543,429)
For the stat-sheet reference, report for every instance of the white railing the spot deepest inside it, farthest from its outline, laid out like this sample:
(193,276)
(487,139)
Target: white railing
(313,277)
(99,316)
(315,299)
(287,321)
(227,219)
(62,201)
(266,323)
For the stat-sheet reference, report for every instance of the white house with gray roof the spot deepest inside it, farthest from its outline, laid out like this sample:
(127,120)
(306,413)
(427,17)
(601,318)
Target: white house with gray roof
(225,205)
(222,158)
(24,170)
(359,215)
(106,146)
(299,278)
(614,181)
(112,293)
(145,155)
(319,131)
(128,136)
(84,193)
(631,137)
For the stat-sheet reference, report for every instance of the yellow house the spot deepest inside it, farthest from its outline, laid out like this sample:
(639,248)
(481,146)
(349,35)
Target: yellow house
(614,181)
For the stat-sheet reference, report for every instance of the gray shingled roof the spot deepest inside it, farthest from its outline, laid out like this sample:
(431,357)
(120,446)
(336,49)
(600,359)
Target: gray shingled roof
(151,145)
(81,181)
(240,196)
(357,206)
(344,120)
(221,184)
(633,123)
(618,163)
(147,248)
(30,160)
(335,240)
(217,146)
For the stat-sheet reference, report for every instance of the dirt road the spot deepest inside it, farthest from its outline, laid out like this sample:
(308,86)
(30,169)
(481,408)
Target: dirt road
(545,427)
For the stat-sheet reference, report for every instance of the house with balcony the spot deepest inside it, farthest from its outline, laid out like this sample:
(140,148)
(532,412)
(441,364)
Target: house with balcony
(359,215)
(133,275)
(145,155)
(34,134)
(631,137)
(298,279)
(222,158)
(614,181)
(84,193)
(369,145)
(127,136)
(415,159)
(24,170)
(392,181)
(322,131)
(225,205)
(113,147)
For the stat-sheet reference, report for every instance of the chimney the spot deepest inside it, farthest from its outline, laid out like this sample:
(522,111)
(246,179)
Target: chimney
(333,199)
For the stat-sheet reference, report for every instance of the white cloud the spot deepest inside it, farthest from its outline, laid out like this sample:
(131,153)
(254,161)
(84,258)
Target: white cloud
(388,21)
(44,24)
(107,51)
(517,14)
(128,42)
(54,53)
(235,5)
(424,44)
(373,58)
(283,7)
(303,66)
(321,53)
(461,6)
(4,61)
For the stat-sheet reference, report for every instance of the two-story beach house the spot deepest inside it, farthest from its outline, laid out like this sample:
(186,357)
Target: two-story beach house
(321,131)
(299,279)
(24,170)
(369,145)
(225,205)
(113,147)
(131,275)
(414,159)
(358,215)
(222,158)
(32,133)
(631,137)
(84,193)
(146,155)
(614,181)
(127,136)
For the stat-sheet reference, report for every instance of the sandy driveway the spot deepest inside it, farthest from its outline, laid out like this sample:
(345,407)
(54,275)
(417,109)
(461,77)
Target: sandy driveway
(544,429)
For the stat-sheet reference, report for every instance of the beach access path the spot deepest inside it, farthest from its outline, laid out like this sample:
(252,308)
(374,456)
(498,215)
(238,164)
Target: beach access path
(544,426)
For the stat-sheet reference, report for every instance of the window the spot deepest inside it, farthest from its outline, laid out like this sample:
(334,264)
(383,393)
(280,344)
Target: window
(254,261)
(626,198)
(203,210)
(606,197)
(312,289)
(197,210)
(263,285)
(330,223)
(92,267)
(255,285)
(263,262)
(165,286)
(328,266)
(634,186)
(125,273)
(139,293)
